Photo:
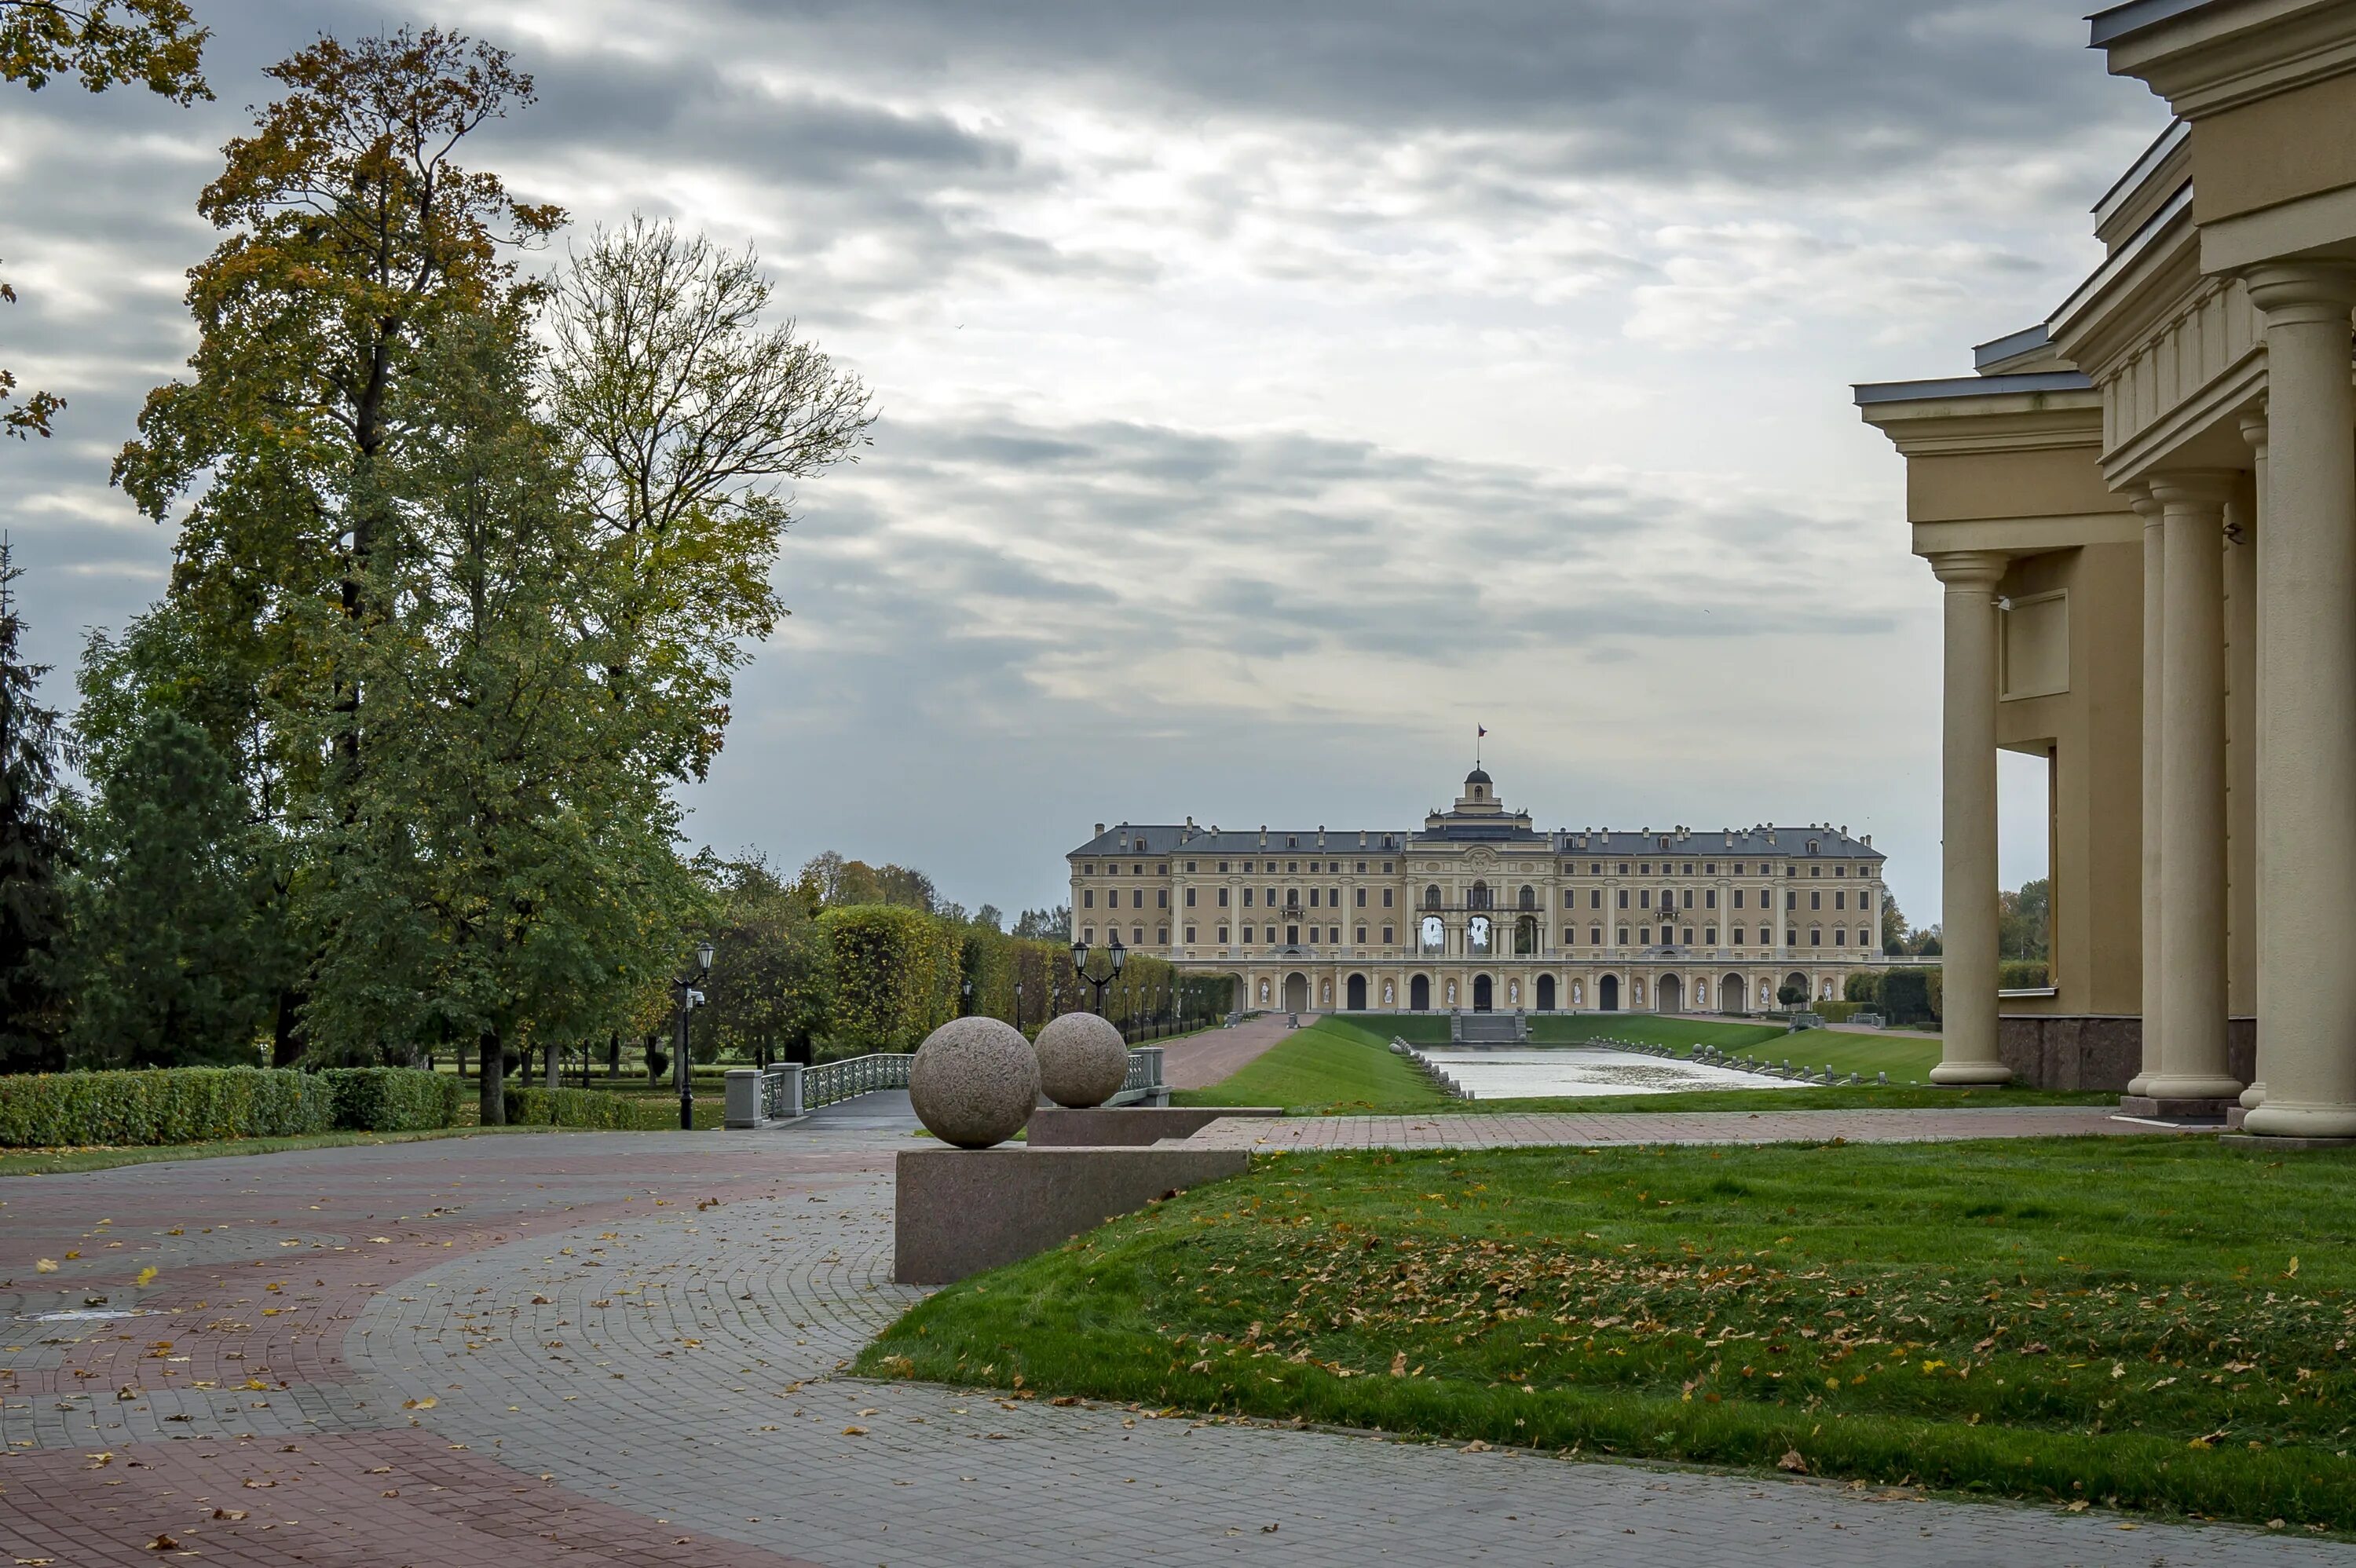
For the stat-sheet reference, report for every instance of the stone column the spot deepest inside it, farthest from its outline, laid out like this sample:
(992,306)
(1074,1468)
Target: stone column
(2247,743)
(2155,642)
(1968,918)
(2193,790)
(2307,670)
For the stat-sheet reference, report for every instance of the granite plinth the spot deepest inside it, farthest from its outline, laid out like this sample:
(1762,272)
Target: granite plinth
(960,1212)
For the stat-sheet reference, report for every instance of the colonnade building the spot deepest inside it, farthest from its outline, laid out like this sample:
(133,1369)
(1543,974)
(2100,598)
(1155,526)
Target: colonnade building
(1480,911)
(2143,512)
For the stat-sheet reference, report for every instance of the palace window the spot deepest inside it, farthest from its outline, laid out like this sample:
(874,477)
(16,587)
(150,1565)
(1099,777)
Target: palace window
(1247,898)
(1271,898)
(1570,898)
(1623,898)
(1292,864)
(1815,937)
(1688,870)
(1387,897)
(1160,936)
(1595,936)
(1362,868)
(1623,867)
(1595,898)
(1863,938)
(1137,898)
(1843,872)
(1386,935)
(1137,871)
(1735,936)
(1710,868)
(1087,898)
(1361,899)
(1136,936)
(1222,897)
(1710,936)
(1644,871)
(1644,898)
(1529,897)
(1840,936)
(1816,898)
(1791,899)
(1688,898)
(1088,934)
(1161,897)
(1645,936)
(1223,936)
(1332,934)
(1088,870)
(1431,897)
(1361,936)
(1595,868)
(1477,934)
(1334,897)
(1816,870)
(1709,898)
(1190,898)
(1738,897)
(1570,936)
(1190,867)
(1190,936)
(1387,868)
(1840,899)
(1312,898)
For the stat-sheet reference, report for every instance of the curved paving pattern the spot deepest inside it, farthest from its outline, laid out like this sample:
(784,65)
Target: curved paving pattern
(628,1351)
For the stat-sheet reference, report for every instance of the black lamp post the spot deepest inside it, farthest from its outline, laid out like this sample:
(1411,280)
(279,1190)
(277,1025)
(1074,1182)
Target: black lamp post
(689,999)
(1018,1004)
(969,996)
(1119,954)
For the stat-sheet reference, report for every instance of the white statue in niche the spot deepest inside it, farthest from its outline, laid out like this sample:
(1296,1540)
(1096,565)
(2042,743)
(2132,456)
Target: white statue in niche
(1263,990)
(1636,992)
(1325,990)
(1513,993)
(1452,993)
(1701,995)
(1386,992)
(1828,992)
(1577,996)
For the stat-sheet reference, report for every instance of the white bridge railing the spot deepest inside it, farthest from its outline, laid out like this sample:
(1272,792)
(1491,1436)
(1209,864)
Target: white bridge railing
(788,1091)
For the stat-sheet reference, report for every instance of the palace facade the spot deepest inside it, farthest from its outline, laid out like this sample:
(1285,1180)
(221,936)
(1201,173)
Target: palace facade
(1480,911)
(2142,511)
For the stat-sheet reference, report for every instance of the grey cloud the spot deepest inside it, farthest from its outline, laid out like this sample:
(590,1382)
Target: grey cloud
(1775,93)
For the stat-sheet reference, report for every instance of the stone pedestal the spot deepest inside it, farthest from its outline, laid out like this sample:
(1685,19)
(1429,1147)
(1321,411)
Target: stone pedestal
(958,1211)
(2177,1108)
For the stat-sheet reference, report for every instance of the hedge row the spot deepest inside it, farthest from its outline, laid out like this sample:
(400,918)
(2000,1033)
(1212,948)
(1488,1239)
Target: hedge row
(586,1108)
(167,1106)
(197,1105)
(394,1099)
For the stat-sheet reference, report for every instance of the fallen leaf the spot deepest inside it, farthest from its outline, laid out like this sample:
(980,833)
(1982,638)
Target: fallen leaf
(1793,1461)
(164,1543)
(428,1403)
(855,1432)
(147,1275)
(228,1513)
(44,1265)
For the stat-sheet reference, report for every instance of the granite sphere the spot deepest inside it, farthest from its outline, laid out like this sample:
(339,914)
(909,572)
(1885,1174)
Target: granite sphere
(1083,1060)
(974,1082)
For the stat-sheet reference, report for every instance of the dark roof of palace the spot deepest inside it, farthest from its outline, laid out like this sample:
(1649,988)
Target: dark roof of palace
(1155,838)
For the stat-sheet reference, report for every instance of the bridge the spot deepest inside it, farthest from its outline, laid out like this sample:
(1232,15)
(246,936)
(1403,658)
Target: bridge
(789,1091)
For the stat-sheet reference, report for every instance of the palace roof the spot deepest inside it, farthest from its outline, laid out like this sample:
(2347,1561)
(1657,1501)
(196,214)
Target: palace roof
(1765,839)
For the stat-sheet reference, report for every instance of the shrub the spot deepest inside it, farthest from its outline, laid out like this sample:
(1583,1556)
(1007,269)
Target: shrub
(2023,975)
(162,1106)
(1906,995)
(584,1108)
(394,1099)
(1865,986)
(1836,1012)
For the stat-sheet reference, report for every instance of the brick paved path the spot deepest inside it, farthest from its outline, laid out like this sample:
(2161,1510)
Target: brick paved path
(1507,1129)
(1199,1060)
(607,1365)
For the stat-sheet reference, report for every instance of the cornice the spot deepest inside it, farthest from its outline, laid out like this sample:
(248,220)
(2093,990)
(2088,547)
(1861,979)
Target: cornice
(2153,279)
(2216,57)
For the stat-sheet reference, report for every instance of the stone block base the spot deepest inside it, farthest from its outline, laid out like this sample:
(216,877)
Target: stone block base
(960,1212)
(2235,1115)
(2177,1110)
(1129,1126)
(2252,1143)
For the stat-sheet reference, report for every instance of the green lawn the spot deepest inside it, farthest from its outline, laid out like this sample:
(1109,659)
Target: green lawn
(1341,1067)
(1330,1067)
(2155,1324)
(53,1162)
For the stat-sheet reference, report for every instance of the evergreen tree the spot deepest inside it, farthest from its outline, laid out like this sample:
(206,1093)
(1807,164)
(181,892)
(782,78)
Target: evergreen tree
(176,956)
(32,856)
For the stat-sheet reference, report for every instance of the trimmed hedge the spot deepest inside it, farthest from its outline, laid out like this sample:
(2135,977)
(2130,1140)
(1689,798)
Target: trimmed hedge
(162,1106)
(394,1099)
(1836,1012)
(584,1108)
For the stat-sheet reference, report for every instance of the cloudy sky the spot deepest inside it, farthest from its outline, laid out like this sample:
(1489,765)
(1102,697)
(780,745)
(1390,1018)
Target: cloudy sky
(1272,389)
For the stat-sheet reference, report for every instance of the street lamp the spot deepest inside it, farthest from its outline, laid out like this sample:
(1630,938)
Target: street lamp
(969,996)
(689,999)
(1080,967)
(1018,1004)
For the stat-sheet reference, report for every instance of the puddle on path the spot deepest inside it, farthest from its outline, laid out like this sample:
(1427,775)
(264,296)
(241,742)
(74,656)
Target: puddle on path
(1576,1071)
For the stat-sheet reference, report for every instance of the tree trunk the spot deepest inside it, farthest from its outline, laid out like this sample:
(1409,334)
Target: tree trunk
(493,1097)
(287,1044)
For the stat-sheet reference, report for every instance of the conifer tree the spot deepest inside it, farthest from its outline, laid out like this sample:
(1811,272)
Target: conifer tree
(32,853)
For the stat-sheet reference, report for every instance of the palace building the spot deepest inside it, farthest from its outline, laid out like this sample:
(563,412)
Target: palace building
(2142,510)
(1479,910)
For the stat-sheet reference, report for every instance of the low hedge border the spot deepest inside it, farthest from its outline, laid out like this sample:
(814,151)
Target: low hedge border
(165,1106)
(394,1099)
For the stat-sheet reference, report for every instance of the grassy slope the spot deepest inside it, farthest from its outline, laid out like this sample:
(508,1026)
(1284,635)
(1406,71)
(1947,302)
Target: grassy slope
(1340,1067)
(1986,1317)
(1330,1066)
